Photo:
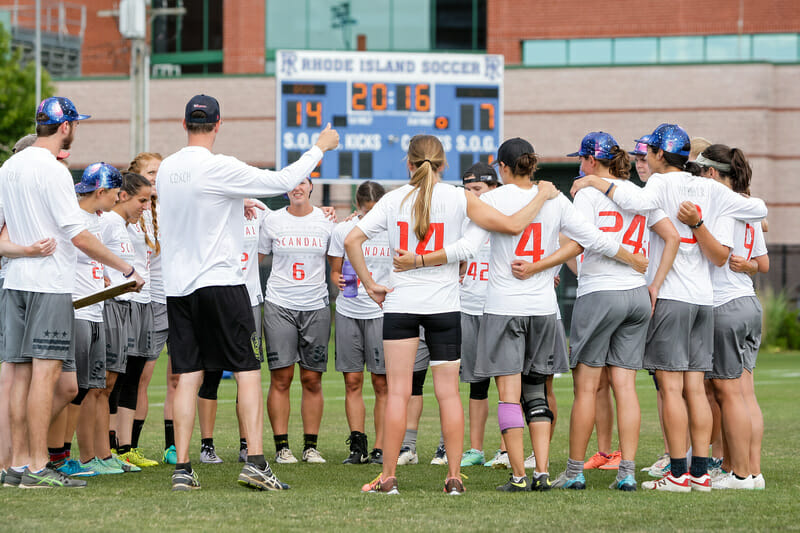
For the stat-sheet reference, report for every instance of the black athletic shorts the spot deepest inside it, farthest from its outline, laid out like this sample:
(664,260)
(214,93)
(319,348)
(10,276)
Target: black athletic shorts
(212,329)
(442,332)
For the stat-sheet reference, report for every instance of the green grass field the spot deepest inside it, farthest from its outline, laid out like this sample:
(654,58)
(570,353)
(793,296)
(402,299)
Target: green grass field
(326,497)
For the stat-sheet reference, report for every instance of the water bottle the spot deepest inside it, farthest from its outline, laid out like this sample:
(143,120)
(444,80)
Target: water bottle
(350,280)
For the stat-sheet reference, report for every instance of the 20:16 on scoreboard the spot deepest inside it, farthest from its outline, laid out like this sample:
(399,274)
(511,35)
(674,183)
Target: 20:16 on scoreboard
(378,101)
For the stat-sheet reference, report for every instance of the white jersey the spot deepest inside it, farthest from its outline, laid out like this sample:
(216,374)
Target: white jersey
(745,240)
(535,296)
(202,195)
(252,280)
(597,272)
(378,256)
(141,257)
(299,248)
(37,201)
(89,275)
(117,239)
(690,279)
(157,293)
(476,281)
(423,290)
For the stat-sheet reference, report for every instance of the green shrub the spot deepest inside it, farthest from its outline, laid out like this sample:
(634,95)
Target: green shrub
(781,322)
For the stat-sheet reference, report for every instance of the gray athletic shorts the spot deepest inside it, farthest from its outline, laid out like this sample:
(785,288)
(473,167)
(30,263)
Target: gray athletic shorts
(140,337)
(297,337)
(359,342)
(609,328)
(423,357)
(561,356)
(90,354)
(516,345)
(470,326)
(737,336)
(38,325)
(160,330)
(680,337)
(116,320)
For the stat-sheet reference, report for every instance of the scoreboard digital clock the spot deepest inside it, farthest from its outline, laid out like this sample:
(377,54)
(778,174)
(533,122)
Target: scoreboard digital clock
(378,101)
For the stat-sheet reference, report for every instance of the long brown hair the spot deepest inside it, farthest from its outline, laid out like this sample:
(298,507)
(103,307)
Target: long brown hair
(427,154)
(137,166)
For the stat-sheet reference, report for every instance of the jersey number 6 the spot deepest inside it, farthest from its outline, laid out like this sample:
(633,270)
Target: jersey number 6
(297,271)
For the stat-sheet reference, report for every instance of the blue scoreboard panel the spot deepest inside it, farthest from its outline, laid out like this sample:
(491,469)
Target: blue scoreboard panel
(378,101)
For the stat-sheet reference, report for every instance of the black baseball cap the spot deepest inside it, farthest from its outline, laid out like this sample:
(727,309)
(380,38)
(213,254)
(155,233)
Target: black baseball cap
(480,172)
(513,149)
(207,104)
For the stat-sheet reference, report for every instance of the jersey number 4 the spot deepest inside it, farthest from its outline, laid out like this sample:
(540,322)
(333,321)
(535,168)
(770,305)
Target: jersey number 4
(633,236)
(435,232)
(530,243)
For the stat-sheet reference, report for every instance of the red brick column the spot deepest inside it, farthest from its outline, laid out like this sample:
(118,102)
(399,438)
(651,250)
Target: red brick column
(243,36)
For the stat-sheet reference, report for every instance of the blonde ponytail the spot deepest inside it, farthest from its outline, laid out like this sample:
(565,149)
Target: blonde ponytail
(427,154)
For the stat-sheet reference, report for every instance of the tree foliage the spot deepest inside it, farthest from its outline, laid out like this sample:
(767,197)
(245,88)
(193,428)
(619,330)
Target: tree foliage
(18,94)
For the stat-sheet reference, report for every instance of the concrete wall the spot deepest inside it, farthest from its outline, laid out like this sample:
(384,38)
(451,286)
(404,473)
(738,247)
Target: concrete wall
(755,107)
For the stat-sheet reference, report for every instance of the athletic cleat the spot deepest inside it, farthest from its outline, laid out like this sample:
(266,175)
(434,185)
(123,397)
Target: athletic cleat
(713,463)
(377,485)
(312,455)
(185,481)
(170,456)
(13,478)
(358,449)
(541,482)
(242,455)
(74,468)
(702,483)
(255,478)
(454,486)
(48,479)
(718,474)
(3,476)
(285,457)
(732,482)
(523,485)
(439,456)
(501,462)
(472,457)
(104,467)
(530,461)
(124,465)
(208,455)
(574,483)
(407,457)
(627,484)
(613,461)
(758,482)
(135,457)
(596,461)
(660,468)
(491,461)
(376,456)
(669,483)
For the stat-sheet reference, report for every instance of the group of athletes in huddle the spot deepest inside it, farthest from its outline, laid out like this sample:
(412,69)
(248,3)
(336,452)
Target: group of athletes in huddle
(461,280)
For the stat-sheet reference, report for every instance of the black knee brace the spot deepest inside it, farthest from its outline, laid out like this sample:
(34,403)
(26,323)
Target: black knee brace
(418,381)
(211,379)
(78,399)
(113,397)
(479,390)
(534,399)
(129,382)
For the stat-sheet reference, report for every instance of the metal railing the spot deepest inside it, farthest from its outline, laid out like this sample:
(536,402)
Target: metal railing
(59,18)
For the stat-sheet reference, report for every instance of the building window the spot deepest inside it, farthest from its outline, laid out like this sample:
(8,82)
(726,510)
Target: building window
(590,52)
(780,48)
(192,42)
(681,50)
(728,47)
(460,24)
(635,51)
(545,53)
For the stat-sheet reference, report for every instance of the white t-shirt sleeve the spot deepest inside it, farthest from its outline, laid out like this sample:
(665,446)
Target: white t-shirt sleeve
(264,239)
(238,179)
(577,228)
(644,199)
(735,205)
(64,206)
(655,216)
(723,230)
(759,246)
(376,221)
(336,247)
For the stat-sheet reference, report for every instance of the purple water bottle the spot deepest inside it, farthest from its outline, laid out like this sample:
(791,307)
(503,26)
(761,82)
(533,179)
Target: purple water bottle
(350,280)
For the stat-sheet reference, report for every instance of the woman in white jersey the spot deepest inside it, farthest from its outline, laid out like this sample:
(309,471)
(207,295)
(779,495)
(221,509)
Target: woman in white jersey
(297,320)
(478,179)
(737,326)
(134,198)
(611,314)
(359,328)
(680,335)
(519,325)
(422,217)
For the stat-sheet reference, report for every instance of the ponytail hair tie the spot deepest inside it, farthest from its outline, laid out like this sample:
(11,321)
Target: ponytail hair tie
(428,160)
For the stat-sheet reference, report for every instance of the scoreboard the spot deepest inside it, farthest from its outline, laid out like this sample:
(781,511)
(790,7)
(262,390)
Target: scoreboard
(378,101)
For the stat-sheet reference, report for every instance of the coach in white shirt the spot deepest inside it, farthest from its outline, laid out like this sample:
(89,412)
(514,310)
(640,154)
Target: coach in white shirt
(38,201)
(211,324)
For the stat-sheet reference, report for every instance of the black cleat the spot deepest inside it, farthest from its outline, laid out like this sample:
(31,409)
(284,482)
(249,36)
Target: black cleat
(358,449)
(523,485)
(376,456)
